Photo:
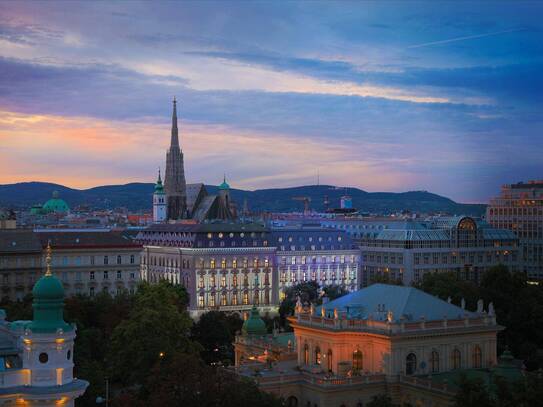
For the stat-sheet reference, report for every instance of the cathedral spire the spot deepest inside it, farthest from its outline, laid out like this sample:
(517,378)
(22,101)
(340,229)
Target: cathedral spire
(175,136)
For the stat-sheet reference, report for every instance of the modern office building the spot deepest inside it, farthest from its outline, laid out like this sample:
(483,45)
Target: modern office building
(382,340)
(459,245)
(519,208)
(36,357)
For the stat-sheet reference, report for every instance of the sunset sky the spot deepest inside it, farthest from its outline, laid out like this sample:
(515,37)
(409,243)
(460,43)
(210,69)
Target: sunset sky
(384,96)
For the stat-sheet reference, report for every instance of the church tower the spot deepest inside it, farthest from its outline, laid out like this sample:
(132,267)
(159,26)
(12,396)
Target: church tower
(174,181)
(159,202)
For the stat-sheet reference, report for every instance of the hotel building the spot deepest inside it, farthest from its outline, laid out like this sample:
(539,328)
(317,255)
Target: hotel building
(233,266)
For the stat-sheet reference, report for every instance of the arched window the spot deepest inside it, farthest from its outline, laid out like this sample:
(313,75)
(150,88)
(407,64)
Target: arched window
(317,355)
(358,362)
(456,359)
(306,354)
(329,360)
(476,357)
(434,362)
(410,364)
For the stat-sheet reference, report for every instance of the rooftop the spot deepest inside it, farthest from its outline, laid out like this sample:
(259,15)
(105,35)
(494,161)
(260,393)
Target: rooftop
(407,303)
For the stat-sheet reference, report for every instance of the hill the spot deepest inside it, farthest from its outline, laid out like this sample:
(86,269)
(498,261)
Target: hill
(138,196)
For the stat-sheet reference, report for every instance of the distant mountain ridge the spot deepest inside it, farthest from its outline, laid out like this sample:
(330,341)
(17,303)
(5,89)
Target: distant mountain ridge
(138,196)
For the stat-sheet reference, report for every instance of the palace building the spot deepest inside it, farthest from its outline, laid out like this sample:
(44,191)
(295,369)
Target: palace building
(383,339)
(233,266)
(36,357)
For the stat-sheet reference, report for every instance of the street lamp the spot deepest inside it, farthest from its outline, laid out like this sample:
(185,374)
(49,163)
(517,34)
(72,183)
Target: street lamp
(100,399)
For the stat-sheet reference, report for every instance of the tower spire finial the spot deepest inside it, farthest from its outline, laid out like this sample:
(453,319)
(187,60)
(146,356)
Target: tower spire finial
(159,178)
(48,272)
(175,137)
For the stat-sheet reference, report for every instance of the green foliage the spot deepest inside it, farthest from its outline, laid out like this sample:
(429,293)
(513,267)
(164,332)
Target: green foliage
(445,285)
(385,279)
(472,393)
(216,331)
(158,325)
(518,306)
(183,379)
(335,291)
(382,400)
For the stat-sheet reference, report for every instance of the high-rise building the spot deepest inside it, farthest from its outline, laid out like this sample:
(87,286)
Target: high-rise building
(174,180)
(519,208)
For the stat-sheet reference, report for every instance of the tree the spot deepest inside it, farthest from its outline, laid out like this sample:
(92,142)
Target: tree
(472,393)
(382,400)
(445,285)
(184,380)
(335,291)
(216,331)
(308,293)
(157,326)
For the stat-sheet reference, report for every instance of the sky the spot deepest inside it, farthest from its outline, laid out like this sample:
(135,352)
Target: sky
(385,96)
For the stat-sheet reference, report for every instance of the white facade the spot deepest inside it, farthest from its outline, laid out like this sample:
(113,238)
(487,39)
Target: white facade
(159,207)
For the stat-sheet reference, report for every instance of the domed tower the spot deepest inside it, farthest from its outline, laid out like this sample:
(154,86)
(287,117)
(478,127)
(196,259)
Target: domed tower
(159,202)
(48,345)
(227,203)
(254,325)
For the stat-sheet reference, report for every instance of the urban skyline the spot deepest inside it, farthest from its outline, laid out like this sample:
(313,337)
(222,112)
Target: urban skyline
(382,98)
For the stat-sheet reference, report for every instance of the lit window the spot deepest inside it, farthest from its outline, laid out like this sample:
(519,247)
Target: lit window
(212,263)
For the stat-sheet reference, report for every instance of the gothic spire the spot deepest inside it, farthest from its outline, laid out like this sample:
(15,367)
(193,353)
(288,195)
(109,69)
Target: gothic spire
(175,137)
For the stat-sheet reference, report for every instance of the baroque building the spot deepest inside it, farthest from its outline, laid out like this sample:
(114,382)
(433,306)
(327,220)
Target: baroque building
(233,266)
(384,339)
(189,201)
(36,357)
(519,208)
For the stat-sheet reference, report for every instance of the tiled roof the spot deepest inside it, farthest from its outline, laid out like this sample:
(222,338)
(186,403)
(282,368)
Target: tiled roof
(18,241)
(75,239)
(376,300)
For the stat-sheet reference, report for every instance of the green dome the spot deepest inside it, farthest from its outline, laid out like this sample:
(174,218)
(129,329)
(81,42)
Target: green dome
(56,205)
(48,305)
(224,184)
(254,324)
(48,288)
(159,188)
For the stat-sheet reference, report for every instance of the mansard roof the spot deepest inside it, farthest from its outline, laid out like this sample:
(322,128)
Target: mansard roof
(408,303)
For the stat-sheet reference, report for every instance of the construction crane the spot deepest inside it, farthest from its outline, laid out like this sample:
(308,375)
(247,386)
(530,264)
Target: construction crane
(306,200)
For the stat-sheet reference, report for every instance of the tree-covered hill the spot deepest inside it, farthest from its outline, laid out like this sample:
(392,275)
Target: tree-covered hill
(138,196)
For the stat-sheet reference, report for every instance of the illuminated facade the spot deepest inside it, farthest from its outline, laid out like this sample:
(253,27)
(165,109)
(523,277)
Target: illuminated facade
(226,267)
(325,256)
(519,208)
(233,266)
(383,339)
(458,245)
(36,357)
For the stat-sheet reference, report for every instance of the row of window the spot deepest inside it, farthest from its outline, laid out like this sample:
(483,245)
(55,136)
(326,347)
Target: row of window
(315,259)
(293,277)
(411,366)
(105,275)
(212,280)
(234,300)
